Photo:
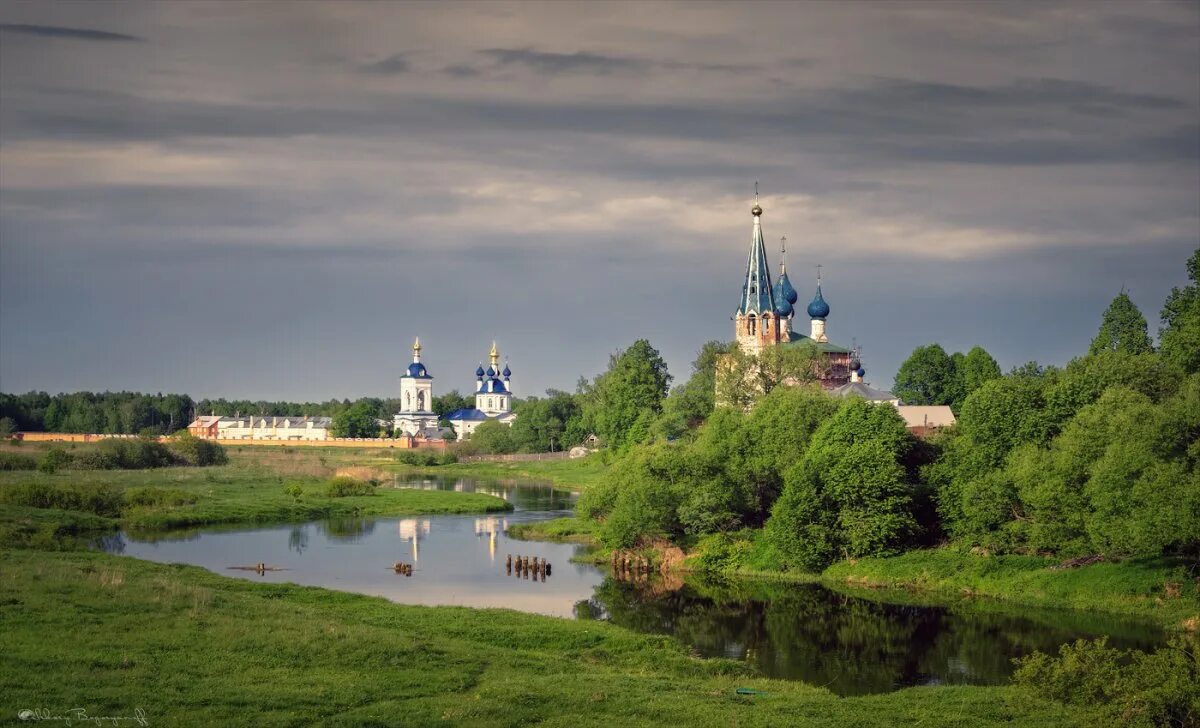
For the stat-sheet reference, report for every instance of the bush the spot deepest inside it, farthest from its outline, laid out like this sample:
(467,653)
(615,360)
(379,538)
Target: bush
(54,459)
(294,490)
(103,500)
(1131,687)
(131,454)
(343,486)
(425,458)
(16,461)
(152,496)
(195,451)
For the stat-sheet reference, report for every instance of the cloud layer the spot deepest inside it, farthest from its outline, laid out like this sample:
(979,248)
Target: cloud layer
(192,193)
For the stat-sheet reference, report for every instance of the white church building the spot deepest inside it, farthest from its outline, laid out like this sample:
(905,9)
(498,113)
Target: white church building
(416,416)
(493,398)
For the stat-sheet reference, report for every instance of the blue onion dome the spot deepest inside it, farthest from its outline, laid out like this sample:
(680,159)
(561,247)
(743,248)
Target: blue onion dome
(491,372)
(818,309)
(479,371)
(861,372)
(417,369)
(786,290)
(783,308)
(855,364)
(507,372)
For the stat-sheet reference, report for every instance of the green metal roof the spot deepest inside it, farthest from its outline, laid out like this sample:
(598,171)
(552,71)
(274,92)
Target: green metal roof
(828,346)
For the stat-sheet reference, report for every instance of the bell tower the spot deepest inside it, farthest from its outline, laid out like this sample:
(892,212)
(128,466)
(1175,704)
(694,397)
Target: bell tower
(757,322)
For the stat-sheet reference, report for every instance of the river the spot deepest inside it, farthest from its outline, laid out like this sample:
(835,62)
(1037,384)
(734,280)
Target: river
(851,642)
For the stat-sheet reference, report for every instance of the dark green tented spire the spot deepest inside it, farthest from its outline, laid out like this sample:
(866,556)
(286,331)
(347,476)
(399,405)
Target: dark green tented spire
(757,296)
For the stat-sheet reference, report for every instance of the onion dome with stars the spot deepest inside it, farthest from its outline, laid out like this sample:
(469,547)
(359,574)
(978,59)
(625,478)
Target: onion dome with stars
(490,381)
(785,293)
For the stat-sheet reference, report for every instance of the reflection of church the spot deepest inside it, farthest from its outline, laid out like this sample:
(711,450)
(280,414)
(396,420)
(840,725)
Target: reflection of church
(416,399)
(765,313)
(414,529)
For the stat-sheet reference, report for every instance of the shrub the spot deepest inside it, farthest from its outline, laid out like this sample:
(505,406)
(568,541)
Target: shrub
(103,500)
(294,490)
(1160,688)
(343,486)
(198,452)
(16,461)
(152,496)
(425,458)
(131,454)
(54,459)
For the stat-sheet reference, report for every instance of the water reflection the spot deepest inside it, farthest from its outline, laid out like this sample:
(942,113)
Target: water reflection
(851,644)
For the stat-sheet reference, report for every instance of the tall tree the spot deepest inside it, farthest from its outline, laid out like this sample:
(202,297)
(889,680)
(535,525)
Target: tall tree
(357,420)
(1179,336)
(926,377)
(636,383)
(741,378)
(1122,329)
(977,368)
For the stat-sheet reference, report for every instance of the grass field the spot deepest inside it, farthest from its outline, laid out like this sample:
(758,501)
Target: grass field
(563,530)
(111,635)
(577,474)
(251,489)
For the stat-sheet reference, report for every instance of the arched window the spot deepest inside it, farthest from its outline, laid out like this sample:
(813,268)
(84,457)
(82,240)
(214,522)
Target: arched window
(752,323)
(408,400)
(420,401)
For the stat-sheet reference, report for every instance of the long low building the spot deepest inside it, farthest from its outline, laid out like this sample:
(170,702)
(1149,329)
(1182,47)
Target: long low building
(219,427)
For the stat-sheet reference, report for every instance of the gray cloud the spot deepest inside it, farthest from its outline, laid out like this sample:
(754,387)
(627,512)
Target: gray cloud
(556,63)
(395,63)
(973,173)
(53,31)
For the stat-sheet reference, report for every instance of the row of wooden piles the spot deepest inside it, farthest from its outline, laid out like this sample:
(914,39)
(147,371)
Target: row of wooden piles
(524,566)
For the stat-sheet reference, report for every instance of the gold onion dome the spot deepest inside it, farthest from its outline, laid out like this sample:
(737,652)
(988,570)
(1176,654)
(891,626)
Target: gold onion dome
(756,210)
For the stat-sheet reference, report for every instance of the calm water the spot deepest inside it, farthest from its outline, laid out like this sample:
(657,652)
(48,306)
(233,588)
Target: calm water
(851,644)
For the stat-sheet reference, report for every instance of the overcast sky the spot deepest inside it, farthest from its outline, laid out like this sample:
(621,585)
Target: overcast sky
(271,200)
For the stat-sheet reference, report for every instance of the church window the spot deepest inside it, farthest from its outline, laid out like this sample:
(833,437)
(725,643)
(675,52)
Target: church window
(408,400)
(421,401)
(752,324)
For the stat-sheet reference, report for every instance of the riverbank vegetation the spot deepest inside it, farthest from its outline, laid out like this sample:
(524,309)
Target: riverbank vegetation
(578,474)
(208,647)
(42,506)
(1046,465)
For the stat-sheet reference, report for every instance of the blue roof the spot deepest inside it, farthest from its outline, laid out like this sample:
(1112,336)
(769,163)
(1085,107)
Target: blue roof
(492,385)
(466,414)
(817,308)
(416,370)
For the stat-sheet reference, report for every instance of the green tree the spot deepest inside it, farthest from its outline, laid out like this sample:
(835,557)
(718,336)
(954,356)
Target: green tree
(449,402)
(493,437)
(1122,329)
(926,377)
(849,495)
(742,378)
(357,420)
(7,427)
(545,425)
(978,367)
(635,384)
(1179,336)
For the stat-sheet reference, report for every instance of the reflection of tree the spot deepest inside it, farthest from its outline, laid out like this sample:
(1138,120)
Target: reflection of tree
(350,528)
(298,539)
(112,543)
(850,644)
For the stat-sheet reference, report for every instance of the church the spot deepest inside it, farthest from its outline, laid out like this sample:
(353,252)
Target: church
(766,309)
(416,416)
(493,398)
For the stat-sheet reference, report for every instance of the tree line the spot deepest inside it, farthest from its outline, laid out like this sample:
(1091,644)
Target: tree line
(1099,456)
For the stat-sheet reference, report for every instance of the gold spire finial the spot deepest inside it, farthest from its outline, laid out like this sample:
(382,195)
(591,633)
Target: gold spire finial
(757,209)
(494,354)
(417,344)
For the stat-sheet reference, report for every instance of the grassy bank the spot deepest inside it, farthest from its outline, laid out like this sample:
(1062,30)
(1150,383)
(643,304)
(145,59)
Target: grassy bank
(563,530)
(577,474)
(214,650)
(1159,589)
(243,492)
(1162,590)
